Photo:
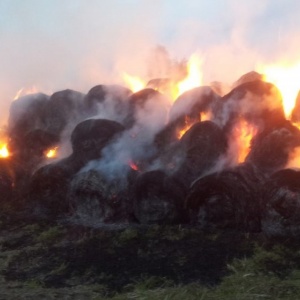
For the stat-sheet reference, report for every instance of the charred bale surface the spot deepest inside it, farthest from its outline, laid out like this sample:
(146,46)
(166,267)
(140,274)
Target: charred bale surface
(96,199)
(25,115)
(109,101)
(158,199)
(256,101)
(91,136)
(230,199)
(270,149)
(201,147)
(281,204)
(63,108)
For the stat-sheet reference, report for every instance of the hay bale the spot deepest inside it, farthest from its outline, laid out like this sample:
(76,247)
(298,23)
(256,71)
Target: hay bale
(270,148)
(257,102)
(109,101)
(25,115)
(158,199)
(281,203)
(200,148)
(95,199)
(229,199)
(63,108)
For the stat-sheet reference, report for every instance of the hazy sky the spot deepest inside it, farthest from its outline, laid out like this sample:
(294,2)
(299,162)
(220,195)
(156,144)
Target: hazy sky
(58,44)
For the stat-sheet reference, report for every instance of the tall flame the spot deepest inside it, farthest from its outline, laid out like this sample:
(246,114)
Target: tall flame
(286,77)
(194,77)
(133,82)
(241,139)
(4,153)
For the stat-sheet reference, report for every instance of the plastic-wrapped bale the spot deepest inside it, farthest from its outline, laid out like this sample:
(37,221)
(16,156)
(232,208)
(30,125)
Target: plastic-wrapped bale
(96,199)
(158,199)
(49,185)
(201,147)
(229,199)
(257,102)
(281,202)
(271,148)
(25,115)
(63,108)
(109,101)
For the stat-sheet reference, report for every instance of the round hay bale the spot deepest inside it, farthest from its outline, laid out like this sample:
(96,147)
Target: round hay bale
(96,199)
(270,148)
(201,147)
(158,199)
(26,114)
(281,203)
(6,182)
(229,199)
(256,102)
(91,136)
(248,77)
(64,107)
(109,101)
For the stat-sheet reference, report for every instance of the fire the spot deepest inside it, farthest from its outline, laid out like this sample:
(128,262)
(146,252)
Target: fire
(286,77)
(23,92)
(133,166)
(4,153)
(51,153)
(194,77)
(241,139)
(133,82)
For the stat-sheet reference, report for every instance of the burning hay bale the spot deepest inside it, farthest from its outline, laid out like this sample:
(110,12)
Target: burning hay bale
(158,199)
(147,108)
(229,199)
(63,108)
(25,115)
(256,102)
(49,185)
(108,101)
(248,77)
(271,148)
(281,204)
(96,199)
(295,117)
(201,147)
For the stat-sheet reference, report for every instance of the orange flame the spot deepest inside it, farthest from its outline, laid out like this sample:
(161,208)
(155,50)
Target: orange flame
(194,77)
(133,166)
(241,139)
(52,153)
(286,78)
(133,82)
(4,153)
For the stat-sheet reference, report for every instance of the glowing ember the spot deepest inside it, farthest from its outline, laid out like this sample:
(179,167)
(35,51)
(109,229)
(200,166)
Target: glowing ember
(133,166)
(24,92)
(194,77)
(205,116)
(286,78)
(51,153)
(4,151)
(133,82)
(241,139)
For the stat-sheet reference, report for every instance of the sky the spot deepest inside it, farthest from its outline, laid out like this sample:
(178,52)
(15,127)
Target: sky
(76,44)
